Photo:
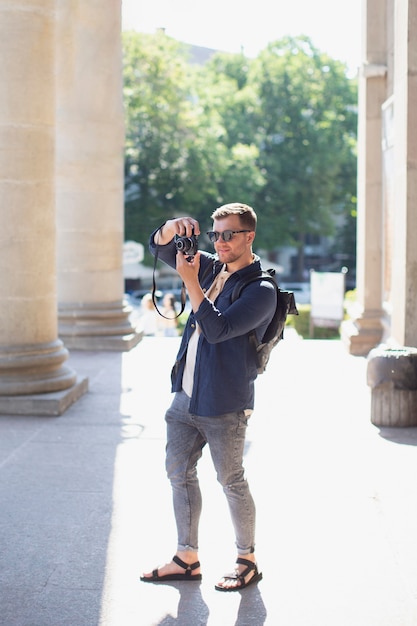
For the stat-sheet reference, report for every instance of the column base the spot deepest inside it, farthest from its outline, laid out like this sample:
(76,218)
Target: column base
(34,369)
(112,343)
(44,404)
(359,343)
(362,334)
(97,326)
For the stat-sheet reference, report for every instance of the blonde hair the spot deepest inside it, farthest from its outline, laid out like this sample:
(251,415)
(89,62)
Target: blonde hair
(245,212)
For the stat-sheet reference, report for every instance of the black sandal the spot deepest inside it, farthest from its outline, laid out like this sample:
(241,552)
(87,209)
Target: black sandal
(250,566)
(188,576)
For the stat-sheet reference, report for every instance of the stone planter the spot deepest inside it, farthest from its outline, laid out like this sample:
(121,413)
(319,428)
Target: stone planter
(392,376)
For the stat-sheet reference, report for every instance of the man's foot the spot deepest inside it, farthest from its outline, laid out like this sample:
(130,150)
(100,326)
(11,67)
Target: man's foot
(245,574)
(184,567)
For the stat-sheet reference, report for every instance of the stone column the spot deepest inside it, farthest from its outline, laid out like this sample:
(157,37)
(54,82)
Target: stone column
(392,376)
(33,376)
(365,332)
(90,178)
(404,236)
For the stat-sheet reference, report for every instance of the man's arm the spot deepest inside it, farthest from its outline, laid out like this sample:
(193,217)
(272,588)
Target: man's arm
(252,310)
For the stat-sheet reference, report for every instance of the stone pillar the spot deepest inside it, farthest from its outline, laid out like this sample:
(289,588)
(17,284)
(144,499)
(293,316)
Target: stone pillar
(90,177)
(365,332)
(392,376)
(404,236)
(33,376)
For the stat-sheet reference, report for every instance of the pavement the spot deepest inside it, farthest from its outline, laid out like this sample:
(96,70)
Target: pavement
(85,506)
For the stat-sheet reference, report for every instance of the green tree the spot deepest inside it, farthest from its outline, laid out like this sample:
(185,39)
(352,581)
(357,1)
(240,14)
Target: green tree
(277,132)
(306,134)
(225,90)
(161,151)
(179,156)
(226,102)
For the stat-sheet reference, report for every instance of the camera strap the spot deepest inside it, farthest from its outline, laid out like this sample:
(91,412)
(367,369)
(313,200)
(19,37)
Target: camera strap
(183,290)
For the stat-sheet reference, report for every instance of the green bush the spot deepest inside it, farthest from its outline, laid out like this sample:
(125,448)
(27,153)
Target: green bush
(301,323)
(182,320)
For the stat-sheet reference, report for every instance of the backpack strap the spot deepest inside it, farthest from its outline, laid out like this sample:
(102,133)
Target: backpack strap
(183,292)
(209,270)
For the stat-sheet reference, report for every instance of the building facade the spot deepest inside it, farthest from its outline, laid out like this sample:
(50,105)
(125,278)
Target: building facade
(387,179)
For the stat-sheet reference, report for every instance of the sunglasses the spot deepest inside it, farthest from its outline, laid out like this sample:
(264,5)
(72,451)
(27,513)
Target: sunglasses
(226,235)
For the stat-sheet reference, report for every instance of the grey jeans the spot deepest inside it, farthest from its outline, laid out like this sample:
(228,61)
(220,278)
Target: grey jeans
(187,434)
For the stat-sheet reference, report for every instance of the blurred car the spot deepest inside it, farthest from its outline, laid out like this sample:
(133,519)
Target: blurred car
(135,298)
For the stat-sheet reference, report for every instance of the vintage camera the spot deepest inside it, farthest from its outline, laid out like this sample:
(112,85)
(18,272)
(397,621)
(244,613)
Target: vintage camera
(187,245)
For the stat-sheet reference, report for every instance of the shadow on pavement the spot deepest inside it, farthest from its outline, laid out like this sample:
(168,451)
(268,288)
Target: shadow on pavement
(404,436)
(56,494)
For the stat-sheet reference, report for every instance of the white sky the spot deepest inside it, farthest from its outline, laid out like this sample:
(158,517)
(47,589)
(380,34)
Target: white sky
(230,25)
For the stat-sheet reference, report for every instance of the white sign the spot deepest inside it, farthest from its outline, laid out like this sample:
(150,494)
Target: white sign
(327,295)
(133,252)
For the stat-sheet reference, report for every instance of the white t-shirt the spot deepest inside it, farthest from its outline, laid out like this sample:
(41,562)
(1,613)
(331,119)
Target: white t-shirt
(211,294)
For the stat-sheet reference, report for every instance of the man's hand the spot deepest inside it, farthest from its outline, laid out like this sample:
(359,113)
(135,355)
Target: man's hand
(182,226)
(187,268)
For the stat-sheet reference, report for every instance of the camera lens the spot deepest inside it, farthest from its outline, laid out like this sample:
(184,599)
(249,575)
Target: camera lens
(182,245)
(187,245)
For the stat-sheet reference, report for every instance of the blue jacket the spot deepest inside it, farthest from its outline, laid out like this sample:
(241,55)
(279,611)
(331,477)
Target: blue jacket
(225,367)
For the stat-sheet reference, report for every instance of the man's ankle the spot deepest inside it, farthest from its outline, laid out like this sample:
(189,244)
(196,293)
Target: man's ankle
(188,556)
(248,557)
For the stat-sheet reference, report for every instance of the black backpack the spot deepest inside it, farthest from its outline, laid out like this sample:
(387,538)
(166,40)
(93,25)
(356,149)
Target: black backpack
(275,331)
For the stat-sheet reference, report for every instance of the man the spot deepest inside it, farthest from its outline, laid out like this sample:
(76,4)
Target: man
(213,380)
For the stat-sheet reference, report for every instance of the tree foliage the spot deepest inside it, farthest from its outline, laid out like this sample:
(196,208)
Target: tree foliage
(157,109)
(277,132)
(306,131)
